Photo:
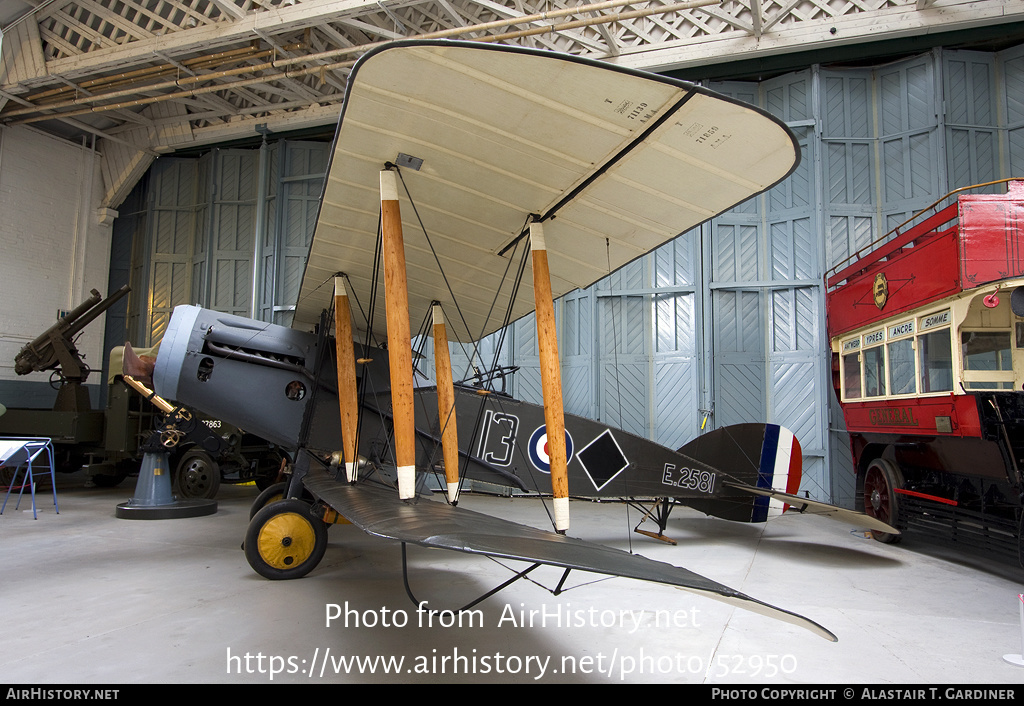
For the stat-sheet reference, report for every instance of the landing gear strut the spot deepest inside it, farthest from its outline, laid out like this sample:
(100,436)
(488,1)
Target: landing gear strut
(659,512)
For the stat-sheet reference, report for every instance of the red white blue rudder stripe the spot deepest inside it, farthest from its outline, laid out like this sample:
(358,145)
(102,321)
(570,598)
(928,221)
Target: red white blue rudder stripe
(780,469)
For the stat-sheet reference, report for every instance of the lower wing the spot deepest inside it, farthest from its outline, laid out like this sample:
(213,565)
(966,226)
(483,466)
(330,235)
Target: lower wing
(378,511)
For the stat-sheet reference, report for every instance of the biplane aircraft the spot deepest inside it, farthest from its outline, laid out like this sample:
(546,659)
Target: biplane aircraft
(459,171)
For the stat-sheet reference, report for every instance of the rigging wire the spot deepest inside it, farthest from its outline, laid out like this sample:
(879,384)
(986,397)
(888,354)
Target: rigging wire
(433,251)
(527,464)
(351,289)
(520,272)
(552,591)
(422,334)
(618,386)
(475,346)
(367,386)
(475,355)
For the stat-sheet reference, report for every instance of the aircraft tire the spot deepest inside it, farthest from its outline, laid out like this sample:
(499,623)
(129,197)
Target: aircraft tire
(285,540)
(271,494)
(880,500)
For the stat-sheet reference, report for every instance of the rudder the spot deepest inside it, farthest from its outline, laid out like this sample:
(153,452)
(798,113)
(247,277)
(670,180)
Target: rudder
(764,456)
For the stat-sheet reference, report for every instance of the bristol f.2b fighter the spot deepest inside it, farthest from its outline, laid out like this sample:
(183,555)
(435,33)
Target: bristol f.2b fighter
(458,172)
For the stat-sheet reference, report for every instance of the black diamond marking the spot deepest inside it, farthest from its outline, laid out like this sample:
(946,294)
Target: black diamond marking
(602,459)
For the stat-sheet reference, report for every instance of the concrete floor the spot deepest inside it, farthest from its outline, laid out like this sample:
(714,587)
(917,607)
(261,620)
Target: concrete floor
(88,598)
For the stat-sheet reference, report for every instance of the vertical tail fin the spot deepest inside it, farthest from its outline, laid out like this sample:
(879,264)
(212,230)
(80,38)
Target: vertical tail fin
(761,455)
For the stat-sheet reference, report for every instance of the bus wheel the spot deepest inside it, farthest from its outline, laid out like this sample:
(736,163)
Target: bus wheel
(880,483)
(1020,541)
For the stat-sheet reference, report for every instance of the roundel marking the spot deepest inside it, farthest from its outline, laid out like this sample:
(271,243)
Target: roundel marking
(538,449)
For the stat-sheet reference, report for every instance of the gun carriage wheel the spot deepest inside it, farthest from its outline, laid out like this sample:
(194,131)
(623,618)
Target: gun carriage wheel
(197,476)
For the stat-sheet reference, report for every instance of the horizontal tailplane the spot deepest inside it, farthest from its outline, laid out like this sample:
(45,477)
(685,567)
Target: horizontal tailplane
(807,506)
(761,466)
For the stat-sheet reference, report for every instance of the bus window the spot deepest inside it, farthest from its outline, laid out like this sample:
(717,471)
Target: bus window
(874,371)
(851,376)
(986,351)
(936,361)
(901,367)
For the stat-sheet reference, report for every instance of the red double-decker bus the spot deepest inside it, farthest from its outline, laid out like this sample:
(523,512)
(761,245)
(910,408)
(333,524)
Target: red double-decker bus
(927,335)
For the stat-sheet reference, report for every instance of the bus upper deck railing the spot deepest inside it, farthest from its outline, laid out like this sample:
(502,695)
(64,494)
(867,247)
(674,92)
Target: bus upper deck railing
(882,247)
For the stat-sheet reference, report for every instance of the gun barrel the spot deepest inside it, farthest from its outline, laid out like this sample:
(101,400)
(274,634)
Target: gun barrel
(86,317)
(41,354)
(65,320)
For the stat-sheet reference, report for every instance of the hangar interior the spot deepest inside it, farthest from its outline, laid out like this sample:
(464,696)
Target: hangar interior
(724,325)
(894,104)
(179,146)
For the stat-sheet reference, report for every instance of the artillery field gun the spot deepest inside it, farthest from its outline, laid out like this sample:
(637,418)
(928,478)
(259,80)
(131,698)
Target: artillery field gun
(107,442)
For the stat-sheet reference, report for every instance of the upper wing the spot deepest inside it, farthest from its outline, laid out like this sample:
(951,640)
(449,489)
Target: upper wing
(379,511)
(615,161)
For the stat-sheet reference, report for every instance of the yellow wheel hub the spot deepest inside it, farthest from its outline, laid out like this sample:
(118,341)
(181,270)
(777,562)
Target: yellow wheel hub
(286,540)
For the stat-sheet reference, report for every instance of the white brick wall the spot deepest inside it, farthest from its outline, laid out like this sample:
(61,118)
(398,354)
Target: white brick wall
(52,248)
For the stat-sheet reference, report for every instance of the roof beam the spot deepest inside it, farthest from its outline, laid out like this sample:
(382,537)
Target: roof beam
(229,8)
(298,16)
(882,24)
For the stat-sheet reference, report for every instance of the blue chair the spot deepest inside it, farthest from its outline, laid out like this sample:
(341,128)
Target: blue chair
(22,454)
